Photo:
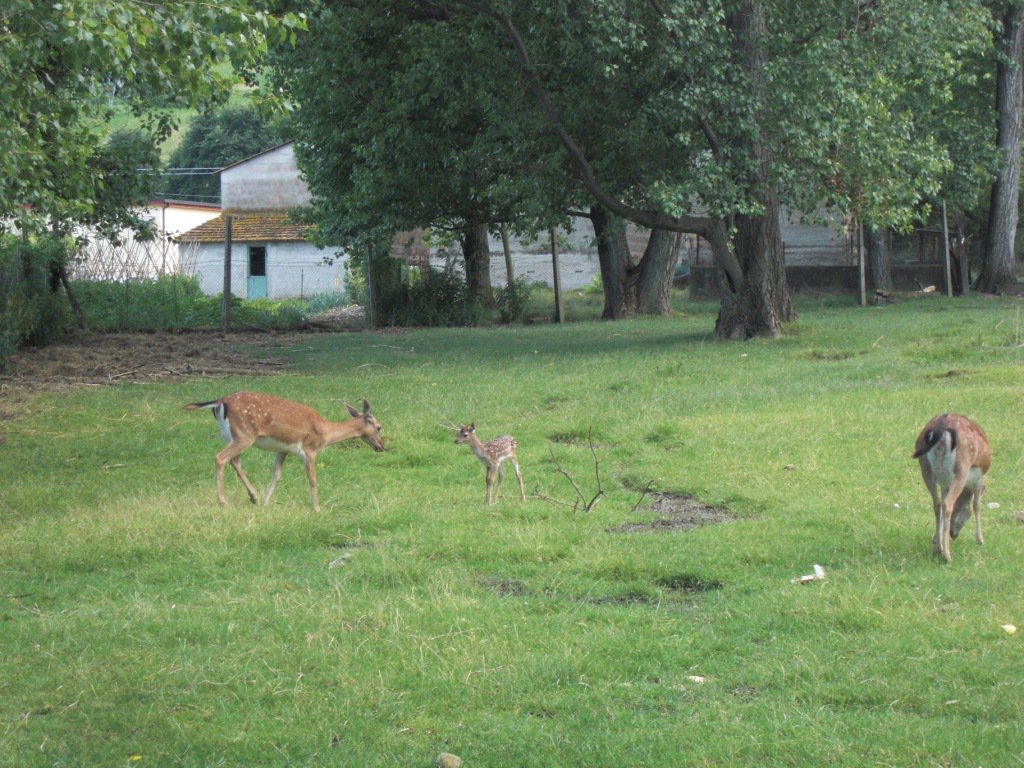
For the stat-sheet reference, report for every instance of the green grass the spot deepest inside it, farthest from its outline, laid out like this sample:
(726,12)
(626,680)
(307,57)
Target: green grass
(141,624)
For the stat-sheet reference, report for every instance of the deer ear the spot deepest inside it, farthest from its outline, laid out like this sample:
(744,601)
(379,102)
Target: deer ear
(352,411)
(366,408)
(472,427)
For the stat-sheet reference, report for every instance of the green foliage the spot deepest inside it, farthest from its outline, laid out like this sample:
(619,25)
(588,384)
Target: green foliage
(32,311)
(143,624)
(174,303)
(122,190)
(511,300)
(874,113)
(214,140)
(62,63)
(433,297)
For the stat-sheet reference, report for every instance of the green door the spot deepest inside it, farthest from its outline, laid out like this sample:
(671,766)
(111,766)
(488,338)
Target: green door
(257,285)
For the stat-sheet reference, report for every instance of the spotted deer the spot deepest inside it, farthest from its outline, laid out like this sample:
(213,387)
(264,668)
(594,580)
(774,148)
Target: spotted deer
(282,426)
(954,455)
(493,454)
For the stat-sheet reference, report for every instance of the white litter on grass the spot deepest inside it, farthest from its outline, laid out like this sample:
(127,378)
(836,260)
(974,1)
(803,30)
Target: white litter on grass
(1008,628)
(992,505)
(818,575)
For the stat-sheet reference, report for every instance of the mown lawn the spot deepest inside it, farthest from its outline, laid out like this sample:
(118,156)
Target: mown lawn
(141,624)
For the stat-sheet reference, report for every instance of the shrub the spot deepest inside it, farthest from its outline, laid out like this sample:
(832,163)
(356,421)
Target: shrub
(511,300)
(33,311)
(436,298)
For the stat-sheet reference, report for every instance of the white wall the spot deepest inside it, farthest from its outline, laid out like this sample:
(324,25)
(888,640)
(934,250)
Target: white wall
(267,182)
(293,270)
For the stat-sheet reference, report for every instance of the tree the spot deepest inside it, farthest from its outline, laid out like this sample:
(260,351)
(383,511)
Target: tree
(213,140)
(679,115)
(998,274)
(403,131)
(62,62)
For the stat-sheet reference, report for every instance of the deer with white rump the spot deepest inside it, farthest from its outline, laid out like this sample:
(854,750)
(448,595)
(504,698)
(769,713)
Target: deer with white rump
(282,426)
(954,456)
(493,454)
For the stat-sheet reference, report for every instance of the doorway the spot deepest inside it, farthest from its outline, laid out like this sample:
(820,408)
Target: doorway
(257,284)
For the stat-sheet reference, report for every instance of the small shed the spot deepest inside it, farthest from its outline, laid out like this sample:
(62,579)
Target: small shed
(271,254)
(270,258)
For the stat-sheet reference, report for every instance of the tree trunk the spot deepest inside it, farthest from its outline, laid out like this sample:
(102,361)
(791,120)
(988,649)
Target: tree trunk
(655,273)
(613,255)
(761,304)
(477,254)
(998,272)
(876,244)
(76,308)
(510,277)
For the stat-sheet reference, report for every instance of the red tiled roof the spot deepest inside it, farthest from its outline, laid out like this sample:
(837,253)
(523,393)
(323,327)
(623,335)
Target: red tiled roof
(249,228)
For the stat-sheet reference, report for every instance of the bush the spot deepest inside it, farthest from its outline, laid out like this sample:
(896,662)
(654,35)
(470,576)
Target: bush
(511,300)
(438,298)
(173,303)
(33,311)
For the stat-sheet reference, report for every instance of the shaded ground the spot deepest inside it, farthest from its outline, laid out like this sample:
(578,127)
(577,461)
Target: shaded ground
(96,359)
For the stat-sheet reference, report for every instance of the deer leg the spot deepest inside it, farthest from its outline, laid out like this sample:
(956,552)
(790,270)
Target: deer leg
(937,509)
(976,502)
(278,463)
(519,477)
(497,485)
(237,464)
(956,487)
(490,482)
(310,460)
(961,511)
(230,455)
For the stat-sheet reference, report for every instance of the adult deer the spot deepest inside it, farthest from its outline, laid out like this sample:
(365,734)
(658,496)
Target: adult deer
(282,426)
(954,456)
(493,454)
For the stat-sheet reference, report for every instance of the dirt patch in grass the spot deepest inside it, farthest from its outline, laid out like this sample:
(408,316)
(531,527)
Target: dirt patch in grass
(676,513)
(97,359)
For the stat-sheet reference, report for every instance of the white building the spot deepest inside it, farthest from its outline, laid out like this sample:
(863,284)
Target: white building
(132,259)
(270,255)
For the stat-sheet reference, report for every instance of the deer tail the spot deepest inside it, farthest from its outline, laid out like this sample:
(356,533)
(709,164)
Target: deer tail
(932,437)
(196,406)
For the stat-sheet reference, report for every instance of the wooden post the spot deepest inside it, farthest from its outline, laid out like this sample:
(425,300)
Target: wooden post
(371,308)
(862,279)
(945,244)
(225,310)
(559,311)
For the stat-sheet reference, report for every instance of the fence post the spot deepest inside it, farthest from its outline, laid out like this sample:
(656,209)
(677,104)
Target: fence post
(945,246)
(225,310)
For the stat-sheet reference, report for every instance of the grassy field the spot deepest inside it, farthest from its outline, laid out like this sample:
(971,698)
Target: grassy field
(141,624)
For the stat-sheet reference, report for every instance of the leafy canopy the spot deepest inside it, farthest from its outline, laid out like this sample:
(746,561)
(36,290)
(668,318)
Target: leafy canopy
(62,63)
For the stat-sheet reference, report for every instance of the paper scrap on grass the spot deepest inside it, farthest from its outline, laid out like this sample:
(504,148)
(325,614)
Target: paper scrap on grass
(1008,628)
(818,575)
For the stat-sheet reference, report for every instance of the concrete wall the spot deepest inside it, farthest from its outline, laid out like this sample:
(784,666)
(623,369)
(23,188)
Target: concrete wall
(294,270)
(575,269)
(267,182)
(840,280)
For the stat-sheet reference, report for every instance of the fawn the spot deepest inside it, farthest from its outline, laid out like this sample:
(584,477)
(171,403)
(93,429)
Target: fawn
(282,426)
(954,456)
(493,454)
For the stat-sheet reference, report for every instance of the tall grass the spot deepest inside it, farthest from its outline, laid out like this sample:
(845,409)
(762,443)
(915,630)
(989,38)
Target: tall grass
(141,624)
(173,303)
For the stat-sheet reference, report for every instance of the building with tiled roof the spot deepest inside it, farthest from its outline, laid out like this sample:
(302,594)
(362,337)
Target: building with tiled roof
(270,253)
